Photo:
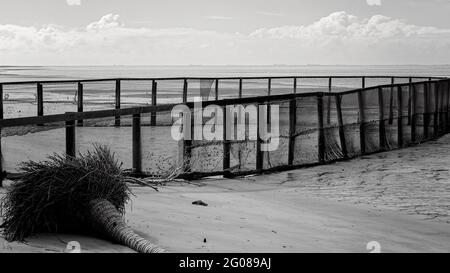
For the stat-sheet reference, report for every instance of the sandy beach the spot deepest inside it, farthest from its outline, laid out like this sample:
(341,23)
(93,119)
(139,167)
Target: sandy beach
(399,199)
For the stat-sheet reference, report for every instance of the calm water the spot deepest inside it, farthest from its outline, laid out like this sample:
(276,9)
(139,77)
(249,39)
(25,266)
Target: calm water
(87,72)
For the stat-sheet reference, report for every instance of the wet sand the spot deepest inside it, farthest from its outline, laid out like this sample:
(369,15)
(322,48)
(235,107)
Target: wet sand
(400,199)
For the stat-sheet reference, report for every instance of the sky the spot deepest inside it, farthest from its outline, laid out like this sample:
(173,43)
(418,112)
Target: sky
(227,32)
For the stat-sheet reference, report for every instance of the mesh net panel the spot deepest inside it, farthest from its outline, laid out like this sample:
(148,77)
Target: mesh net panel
(333,147)
(371,124)
(306,131)
(350,117)
(279,156)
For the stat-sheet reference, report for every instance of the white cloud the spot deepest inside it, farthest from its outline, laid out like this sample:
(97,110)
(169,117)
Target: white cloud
(337,38)
(373,2)
(73,2)
(106,22)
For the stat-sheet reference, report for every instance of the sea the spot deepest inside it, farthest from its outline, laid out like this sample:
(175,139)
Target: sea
(31,73)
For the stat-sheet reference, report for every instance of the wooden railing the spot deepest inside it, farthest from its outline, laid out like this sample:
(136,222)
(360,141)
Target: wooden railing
(71,119)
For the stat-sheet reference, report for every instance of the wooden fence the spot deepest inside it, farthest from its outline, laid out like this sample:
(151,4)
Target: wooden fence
(440,113)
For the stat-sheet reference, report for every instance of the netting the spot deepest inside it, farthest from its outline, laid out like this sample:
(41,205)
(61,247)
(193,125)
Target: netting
(312,128)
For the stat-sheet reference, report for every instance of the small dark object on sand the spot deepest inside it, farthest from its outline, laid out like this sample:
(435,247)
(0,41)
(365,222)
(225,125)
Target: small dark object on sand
(204,240)
(199,203)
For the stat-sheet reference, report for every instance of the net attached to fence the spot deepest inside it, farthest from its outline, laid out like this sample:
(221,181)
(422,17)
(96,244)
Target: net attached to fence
(259,135)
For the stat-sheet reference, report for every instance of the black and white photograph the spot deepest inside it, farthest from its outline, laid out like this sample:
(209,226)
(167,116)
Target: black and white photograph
(212,127)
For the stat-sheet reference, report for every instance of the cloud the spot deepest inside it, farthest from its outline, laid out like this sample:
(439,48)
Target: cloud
(106,22)
(344,26)
(337,38)
(373,2)
(73,2)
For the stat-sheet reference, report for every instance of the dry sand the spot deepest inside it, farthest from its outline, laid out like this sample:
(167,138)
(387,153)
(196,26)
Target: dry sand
(400,199)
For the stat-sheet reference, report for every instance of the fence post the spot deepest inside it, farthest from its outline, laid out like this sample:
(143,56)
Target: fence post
(226,146)
(187,144)
(442,118)
(185,90)
(321,144)
(117,119)
(137,144)
(40,100)
(409,100)
(259,154)
(1,117)
(400,117)
(341,126)
(80,102)
(70,138)
(240,88)
(382,128)
(413,113)
(292,129)
(1,102)
(329,101)
(217,89)
(295,85)
(154,102)
(363,82)
(447,106)
(436,109)
(269,93)
(426,117)
(362,127)
(391,103)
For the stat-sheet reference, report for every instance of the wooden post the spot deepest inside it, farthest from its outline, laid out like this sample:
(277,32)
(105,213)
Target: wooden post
(409,100)
(413,113)
(80,102)
(259,154)
(363,82)
(70,138)
(400,117)
(185,90)
(40,100)
(137,144)
(382,128)
(441,108)
(447,108)
(117,119)
(321,138)
(269,93)
(391,103)
(240,88)
(187,145)
(1,102)
(217,89)
(426,117)
(295,85)
(362,127)
(292,129)
(329,101)
(226,145)
(341,126)
(1,117)
(154,102)
(436,109)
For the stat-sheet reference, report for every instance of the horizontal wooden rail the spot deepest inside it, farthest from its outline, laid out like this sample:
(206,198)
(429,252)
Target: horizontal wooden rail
(75,81)
(25,121)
